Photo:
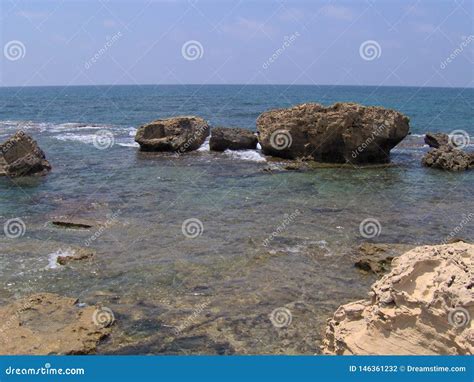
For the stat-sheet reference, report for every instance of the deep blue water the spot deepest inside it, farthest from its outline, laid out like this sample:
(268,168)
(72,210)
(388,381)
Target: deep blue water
(430,109)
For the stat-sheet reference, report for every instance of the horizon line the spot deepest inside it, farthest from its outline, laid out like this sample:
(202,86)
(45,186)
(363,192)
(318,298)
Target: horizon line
(233,84)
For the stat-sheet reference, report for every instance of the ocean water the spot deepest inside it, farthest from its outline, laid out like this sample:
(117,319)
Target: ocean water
(264,240)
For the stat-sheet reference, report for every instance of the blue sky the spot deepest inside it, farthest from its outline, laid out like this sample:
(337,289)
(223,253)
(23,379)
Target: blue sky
(407,43)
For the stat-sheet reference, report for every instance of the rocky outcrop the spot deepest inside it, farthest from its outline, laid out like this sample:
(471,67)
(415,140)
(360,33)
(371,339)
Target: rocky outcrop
(436,140)
(448,158)
(423,306)
(20,155)
(178,134)
(343,132)
(233,138)
(46,323)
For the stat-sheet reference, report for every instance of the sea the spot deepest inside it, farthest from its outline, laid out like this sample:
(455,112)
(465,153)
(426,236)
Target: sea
(213,253)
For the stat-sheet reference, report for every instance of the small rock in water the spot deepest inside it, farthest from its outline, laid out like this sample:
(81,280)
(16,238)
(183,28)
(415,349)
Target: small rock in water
(232,138)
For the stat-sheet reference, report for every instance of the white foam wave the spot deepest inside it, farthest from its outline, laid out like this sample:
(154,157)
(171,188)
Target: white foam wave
(128,144)
(53,258)
(248,155)
(205,146)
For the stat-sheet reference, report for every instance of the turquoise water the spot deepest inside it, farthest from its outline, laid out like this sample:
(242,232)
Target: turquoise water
(219,288)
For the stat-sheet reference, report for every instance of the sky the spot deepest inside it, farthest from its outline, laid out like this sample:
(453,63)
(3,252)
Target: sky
(361,42)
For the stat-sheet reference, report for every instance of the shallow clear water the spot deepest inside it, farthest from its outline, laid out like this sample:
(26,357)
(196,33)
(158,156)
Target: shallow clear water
(220,287)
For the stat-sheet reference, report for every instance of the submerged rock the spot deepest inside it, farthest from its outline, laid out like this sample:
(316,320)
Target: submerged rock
(73,223)
(179,134)
(377,258)
(46,323)
(20,155)
(78,255)
(232,138)
(423,306)
(343,132)
(448,158)
(436,140)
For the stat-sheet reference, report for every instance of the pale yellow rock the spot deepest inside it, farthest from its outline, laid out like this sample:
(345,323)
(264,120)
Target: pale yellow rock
(424,305)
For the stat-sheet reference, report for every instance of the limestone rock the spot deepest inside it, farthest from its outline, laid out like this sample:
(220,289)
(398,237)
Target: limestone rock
(178,134)
(20,155)
(46,323)
(424,305)
(341,133)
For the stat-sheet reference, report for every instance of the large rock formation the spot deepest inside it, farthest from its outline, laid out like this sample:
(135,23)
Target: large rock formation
(20,155)
(448,158)
(234,138)
(423,306)
(343,132)
(179,134)
(46,323)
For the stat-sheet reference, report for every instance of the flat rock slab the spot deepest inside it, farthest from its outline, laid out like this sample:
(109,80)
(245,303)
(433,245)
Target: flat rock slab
(73,223)
(47,323)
